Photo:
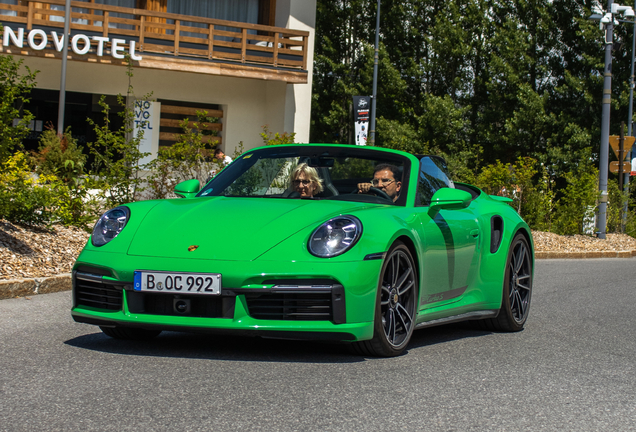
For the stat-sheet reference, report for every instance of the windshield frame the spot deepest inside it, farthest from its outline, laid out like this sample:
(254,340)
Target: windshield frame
(227,176)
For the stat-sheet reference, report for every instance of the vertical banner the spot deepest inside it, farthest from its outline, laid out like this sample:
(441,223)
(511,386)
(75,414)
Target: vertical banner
(361,109)
(147,116)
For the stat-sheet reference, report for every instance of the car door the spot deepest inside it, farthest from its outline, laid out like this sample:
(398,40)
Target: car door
(449,240)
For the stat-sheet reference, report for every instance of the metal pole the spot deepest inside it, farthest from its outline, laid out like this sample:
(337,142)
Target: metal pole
(630,151)
(375,77)
(605,128)
(62,102)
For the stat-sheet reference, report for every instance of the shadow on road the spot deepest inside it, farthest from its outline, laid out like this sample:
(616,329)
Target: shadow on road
(445,333)
(241,348)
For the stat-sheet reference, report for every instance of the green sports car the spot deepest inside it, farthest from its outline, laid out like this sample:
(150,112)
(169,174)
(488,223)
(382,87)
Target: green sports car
(330,242)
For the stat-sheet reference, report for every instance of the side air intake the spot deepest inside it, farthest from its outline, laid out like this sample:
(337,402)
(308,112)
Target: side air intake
(496,231)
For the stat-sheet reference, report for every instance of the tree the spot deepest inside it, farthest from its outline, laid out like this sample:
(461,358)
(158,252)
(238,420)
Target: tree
(15,86)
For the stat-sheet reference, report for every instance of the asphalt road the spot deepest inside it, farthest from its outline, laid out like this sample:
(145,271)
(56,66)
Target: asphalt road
(573,368)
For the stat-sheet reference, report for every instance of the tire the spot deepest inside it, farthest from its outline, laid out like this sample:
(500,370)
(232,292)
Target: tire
(125,333)
(517,289)
(396,305)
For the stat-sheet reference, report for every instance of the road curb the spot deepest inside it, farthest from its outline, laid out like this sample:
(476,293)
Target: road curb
(26,287)
(581,255)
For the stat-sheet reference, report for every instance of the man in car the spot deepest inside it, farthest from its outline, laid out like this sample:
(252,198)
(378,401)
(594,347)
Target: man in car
(384,178)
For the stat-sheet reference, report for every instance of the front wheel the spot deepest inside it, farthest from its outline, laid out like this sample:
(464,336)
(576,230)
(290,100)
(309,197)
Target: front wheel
(396,305)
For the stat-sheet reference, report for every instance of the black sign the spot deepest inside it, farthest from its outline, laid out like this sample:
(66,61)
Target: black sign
(361,108)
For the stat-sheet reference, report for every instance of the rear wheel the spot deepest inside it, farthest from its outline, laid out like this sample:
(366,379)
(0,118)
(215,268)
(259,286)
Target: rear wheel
(396,305)
(517,289)
(129,333)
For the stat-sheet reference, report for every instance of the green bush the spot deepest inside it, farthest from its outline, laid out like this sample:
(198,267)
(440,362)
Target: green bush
(14,90)
(526,183)
(270,138)
(25,198)
(60,156)
(188,158)
(578,200)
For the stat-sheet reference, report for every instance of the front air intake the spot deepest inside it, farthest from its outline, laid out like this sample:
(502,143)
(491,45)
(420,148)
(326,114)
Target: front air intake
(91,291)
(298,303)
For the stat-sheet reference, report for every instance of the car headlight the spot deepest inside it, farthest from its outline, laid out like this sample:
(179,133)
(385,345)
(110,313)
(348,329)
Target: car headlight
(335,237)
(110,225)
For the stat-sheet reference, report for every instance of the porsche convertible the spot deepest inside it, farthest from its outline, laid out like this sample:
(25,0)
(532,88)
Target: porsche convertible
(354,244)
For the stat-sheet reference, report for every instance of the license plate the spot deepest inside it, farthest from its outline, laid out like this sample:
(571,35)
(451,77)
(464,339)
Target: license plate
(183,283)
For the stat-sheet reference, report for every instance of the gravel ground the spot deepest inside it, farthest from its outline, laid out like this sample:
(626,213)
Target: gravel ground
(28,252)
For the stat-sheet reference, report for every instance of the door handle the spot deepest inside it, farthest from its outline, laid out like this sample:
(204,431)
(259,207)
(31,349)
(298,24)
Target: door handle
(474,233)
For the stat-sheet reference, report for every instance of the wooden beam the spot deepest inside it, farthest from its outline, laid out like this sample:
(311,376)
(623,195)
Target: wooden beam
(189,111)
(235,70)
(243,45)
(167,136)
(177,24)
(211,42)
(200,125)
(30,16)
(142,30)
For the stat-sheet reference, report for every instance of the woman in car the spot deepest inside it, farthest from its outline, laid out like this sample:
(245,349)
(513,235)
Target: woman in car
(305,181)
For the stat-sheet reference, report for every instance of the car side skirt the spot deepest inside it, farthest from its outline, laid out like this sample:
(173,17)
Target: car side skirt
(477,315)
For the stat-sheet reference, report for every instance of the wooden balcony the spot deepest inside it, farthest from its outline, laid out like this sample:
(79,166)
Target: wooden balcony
(167,41)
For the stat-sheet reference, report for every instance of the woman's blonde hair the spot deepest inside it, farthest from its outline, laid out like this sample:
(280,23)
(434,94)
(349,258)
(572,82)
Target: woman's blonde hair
(311,174)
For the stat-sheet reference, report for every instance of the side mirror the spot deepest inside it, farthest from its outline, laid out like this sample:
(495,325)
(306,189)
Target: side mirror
(449,199)
(188,188)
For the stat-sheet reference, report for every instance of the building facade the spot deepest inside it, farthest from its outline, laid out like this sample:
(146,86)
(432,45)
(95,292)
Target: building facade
(247,63)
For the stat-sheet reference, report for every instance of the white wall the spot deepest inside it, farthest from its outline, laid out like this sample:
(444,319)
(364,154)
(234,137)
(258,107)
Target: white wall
(300,15)
(248,104)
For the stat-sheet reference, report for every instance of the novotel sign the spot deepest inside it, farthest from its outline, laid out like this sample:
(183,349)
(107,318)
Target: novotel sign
(81,44)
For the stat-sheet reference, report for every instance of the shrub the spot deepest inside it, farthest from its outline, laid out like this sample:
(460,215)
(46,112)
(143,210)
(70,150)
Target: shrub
(116,152)
(527,183)
(25,198)
(14,90)
(59,156)
(270,138)
(579,197)
(188,158)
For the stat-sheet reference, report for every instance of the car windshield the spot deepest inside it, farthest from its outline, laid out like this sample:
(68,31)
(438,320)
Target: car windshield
(315,172)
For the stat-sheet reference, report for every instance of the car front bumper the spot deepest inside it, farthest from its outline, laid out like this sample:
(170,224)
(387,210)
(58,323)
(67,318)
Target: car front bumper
(322,299)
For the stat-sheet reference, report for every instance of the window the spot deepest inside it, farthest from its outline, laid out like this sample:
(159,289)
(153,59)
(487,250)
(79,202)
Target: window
(245,11)
(433,176)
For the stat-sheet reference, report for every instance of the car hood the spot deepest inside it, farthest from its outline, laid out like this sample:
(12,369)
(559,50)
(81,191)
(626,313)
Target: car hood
(228,228)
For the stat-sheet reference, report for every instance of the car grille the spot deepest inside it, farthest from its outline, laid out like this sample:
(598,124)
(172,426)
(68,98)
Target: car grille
(164,304)
(90,291)
(298,303)
(290,306)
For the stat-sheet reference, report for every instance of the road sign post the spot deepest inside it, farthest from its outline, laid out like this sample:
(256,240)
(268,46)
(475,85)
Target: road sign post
(619,144)
(613,166)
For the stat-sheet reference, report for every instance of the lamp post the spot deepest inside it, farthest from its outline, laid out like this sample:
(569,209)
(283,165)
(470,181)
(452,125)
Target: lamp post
(374,95)
(62,100)
(607,20)
(630,116)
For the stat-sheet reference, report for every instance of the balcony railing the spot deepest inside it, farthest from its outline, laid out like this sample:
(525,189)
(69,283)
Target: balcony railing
(170,35)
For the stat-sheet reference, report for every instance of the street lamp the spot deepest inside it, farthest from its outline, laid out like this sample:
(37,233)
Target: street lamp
(607,19)
(630,116)
(62,97)
(374,96)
